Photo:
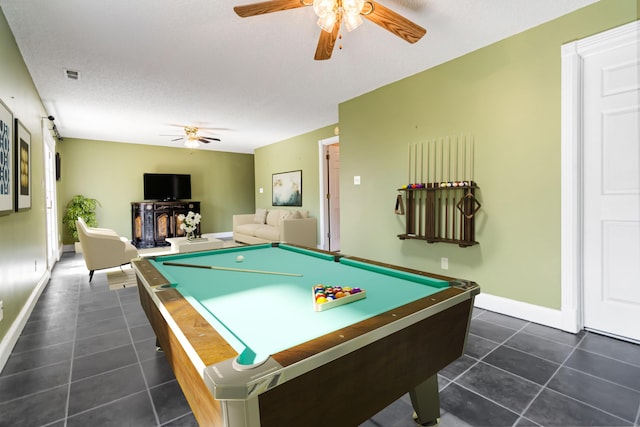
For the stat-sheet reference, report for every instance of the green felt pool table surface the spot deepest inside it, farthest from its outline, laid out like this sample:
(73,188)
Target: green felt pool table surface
(260,314)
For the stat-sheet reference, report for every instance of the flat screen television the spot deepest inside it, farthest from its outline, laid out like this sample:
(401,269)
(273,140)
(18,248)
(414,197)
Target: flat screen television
(167,186)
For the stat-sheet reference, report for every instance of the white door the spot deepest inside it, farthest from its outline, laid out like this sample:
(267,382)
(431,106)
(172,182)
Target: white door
(50,198)
(611,203)
(329,180)
(333,197)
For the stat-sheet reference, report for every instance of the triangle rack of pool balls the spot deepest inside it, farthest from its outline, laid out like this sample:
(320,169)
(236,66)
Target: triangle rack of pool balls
(326,297)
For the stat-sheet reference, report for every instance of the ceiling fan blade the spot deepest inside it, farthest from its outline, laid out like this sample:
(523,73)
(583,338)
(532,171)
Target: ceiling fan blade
(326,43)
(395,23)
(177,139)
(206,139)
(267,7)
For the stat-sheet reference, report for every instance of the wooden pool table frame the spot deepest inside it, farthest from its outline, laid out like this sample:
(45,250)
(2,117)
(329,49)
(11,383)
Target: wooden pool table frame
(340,379)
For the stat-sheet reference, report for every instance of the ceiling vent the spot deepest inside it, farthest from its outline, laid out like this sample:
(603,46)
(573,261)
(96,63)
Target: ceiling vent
(72,74)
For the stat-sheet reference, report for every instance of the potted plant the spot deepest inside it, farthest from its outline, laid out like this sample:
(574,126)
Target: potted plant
(80,206)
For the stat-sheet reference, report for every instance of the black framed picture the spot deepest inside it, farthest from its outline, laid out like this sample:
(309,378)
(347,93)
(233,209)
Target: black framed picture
(6,160)
(23,167)
(287,189)
(58,167)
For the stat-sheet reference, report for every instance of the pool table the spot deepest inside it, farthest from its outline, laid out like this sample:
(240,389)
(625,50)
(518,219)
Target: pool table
(238,327)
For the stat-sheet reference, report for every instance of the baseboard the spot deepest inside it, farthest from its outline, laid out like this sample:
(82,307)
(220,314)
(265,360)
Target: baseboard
(522,310)
(11,338)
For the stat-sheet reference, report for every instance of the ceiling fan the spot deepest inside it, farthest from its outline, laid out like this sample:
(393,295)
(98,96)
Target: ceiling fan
(332,12)
(192,139)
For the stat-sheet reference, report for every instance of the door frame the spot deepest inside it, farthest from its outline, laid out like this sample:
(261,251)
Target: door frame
(51,213)
(323,172)
(572,167)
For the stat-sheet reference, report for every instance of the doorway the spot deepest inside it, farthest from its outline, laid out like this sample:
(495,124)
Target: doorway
(50,165)
(601,183)
(329,155)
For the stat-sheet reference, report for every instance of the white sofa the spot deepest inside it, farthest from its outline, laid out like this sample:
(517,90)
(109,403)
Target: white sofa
(276,225)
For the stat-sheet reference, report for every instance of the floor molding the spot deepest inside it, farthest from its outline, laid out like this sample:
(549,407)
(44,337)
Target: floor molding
(11,338)
(521,310)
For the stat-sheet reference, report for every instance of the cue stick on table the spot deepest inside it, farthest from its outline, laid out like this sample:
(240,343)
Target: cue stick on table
(242,270)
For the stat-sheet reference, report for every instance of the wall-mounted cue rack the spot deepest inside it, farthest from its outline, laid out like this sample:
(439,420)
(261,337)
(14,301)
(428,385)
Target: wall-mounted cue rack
(441,205)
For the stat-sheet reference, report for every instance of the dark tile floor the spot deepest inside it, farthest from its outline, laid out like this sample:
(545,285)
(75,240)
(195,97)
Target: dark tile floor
(87,357)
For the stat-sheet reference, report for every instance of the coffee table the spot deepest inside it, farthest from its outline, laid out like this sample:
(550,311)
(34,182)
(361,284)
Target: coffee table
(184,245)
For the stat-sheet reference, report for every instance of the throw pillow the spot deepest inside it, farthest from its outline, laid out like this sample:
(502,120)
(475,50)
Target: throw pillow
(260,216)
(293,215)
(274,217)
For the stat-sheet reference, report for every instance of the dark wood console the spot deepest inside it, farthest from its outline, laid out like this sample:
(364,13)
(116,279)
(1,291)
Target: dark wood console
(153,222)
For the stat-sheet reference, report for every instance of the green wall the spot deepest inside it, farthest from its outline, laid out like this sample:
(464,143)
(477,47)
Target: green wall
(22,234)
(298,153)
(507,96)
(112,173)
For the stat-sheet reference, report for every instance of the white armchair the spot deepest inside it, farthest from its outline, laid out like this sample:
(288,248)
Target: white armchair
(103,248)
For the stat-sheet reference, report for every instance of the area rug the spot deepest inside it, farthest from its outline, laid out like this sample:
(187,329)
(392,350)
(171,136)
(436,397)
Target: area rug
(121,279)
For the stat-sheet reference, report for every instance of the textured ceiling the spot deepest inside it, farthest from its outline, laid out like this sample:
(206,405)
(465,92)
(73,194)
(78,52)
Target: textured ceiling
(149,66)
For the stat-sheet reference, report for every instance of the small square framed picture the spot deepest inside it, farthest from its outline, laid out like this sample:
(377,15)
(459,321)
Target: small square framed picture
(22,167)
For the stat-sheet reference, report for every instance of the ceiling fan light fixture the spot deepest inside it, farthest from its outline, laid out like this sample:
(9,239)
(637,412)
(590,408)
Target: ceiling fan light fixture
(331,14)
(191,143)
(352,7)
(327,21)
(331,11)
(352,22)
(324,7)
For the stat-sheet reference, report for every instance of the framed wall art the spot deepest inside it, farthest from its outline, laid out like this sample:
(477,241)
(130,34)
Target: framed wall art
(287,188)
(6,160)
(23,167)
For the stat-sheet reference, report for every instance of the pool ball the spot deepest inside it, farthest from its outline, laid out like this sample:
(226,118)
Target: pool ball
(239,258)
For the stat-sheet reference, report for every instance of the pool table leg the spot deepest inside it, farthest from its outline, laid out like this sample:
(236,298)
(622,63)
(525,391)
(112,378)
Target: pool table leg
(426,402)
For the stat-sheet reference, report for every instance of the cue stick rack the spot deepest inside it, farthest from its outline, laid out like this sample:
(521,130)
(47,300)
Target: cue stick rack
(441,205)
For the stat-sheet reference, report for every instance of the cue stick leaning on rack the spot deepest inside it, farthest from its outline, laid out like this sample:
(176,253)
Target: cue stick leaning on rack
(241,270)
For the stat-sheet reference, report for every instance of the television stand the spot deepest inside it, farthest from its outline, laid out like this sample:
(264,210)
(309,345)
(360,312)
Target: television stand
(153,222)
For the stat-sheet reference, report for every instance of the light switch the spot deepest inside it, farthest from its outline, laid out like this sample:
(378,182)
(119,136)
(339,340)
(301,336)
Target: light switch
(356,180)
